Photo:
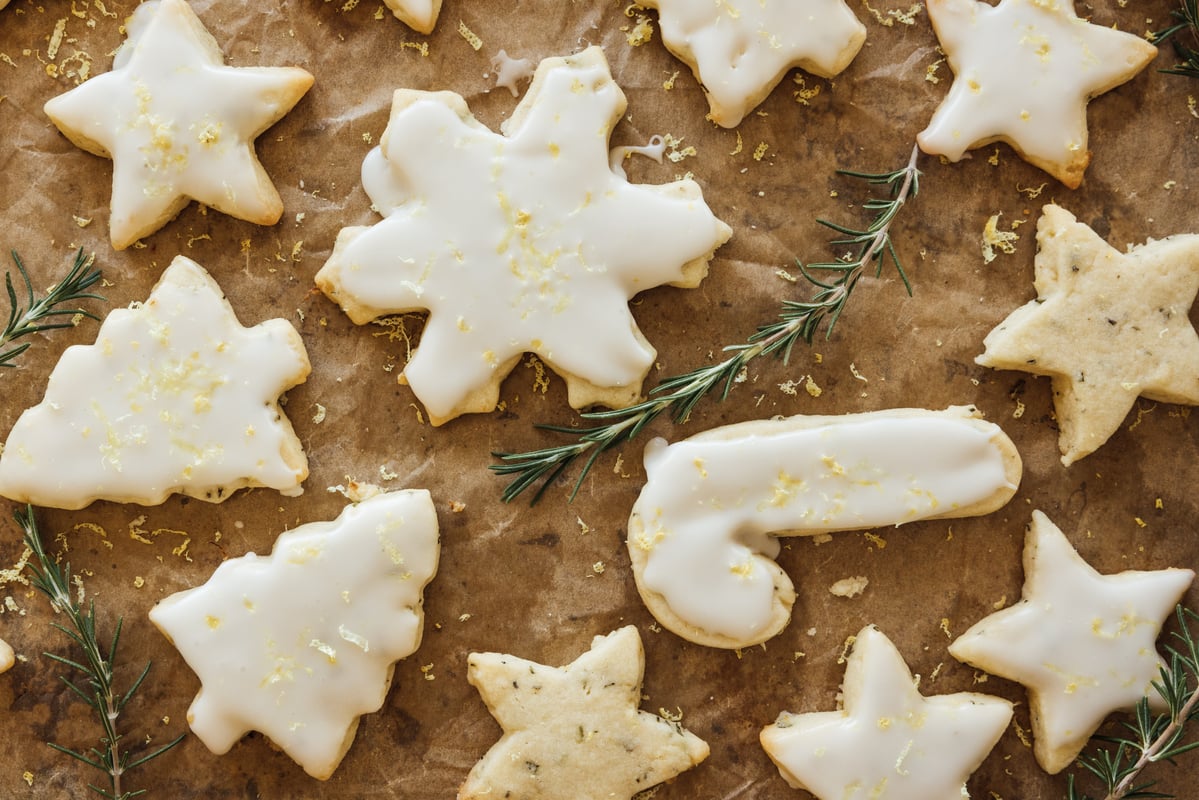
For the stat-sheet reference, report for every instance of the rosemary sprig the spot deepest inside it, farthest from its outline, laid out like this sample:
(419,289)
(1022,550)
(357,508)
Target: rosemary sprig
(98,691)
(680,393)
(1186,19)
(22,321)
(1151,737)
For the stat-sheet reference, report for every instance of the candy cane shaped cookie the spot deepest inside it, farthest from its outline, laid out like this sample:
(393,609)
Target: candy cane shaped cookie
(702,535)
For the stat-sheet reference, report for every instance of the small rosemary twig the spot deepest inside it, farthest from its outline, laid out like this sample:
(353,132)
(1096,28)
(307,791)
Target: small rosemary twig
(23,321)
(680,393)
(54,582)
(1186,19)
(1154,737)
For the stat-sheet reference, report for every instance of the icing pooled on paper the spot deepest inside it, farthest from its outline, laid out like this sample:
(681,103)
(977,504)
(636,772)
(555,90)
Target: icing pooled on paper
(702,524)
(174,396)
(889,741)
(300,643)
(740,49)
(178,123)
(523,242)
(1023,73)
(1081,642)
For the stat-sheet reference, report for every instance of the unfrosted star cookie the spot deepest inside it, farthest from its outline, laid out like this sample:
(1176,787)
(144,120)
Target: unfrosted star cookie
(299,644)
(740,49)
(575,731)
(1107,327)
(888,741)
(178,124)
(420,15)
(1023,73)
(703,532)
(174,396)
(515,243)
(1081,643)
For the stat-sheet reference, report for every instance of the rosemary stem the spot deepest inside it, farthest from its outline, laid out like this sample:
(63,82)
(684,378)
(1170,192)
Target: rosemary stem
(1151,752)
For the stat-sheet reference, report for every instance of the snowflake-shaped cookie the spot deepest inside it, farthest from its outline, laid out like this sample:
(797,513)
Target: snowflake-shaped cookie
(174,396)
(1107,326)
(420,15)
(1081,642)
(1023,73)
(889,741)
(178,124)
(525,242)
(575,731)
(299,644)
(740,49)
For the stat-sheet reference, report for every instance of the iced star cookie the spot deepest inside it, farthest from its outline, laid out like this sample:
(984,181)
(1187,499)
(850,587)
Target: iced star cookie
(7,657)
(575,731)
(1023,73)
(703,532)
(740,49)
(1107,327)
(1081,643)
(515,243)
(420,15)
(174,396)
(299,644)
(888,741)
(178,124)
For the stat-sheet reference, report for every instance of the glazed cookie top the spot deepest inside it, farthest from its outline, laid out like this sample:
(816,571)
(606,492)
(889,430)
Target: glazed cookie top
(178,124)
(420,15)
(174,396)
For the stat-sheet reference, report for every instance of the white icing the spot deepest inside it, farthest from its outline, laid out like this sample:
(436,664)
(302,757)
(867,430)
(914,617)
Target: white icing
(7,657)
(709,505)
(1083,643)
(420,15)
(889,741)
(525,242)
(652,149)
(740,49)
(175,395)
(300,643)
(1024,71)
(178,123)
(509,71)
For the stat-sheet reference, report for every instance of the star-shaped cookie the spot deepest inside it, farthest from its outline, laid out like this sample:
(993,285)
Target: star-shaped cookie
(175,395)
(299,644)
(575,731)
(7,657)
(1106,326)
(740,49)
(523,242)
(1081,643)
(889,740)
(178,124)
(420,15)
(1024,71)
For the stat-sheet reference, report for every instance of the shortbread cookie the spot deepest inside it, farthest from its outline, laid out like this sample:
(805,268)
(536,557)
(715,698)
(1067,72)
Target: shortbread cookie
(420,15)
(575,731)
(7,657)
(525,242)
(1023,73)
(174,396)
(740,49)
(1082,643)
(889,741)
(1106,326)
(178,124)
(299,644)
(702,535)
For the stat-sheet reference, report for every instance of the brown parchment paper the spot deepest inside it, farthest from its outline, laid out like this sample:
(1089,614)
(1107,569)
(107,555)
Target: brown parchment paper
(541,582)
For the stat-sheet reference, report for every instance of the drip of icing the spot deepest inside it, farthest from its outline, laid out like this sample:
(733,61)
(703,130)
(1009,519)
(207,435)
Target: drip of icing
(175,395)
(654,149)
(509,71)
(705,517)
(300,643)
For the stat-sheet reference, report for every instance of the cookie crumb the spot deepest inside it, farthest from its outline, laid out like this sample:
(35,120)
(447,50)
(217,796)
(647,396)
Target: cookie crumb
(849,587)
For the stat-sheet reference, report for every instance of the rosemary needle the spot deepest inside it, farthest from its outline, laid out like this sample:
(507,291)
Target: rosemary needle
(1150,737)
(98,691)
(680,393)
(1186,19)
(45,314)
